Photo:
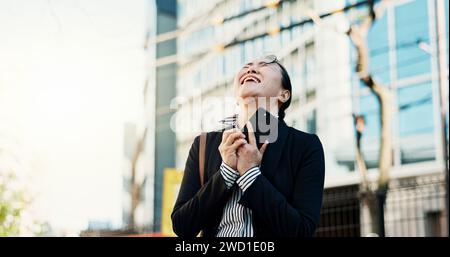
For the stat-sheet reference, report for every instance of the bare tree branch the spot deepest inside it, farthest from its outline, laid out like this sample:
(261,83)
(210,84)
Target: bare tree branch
(135,187)
(360,162)
(358,35)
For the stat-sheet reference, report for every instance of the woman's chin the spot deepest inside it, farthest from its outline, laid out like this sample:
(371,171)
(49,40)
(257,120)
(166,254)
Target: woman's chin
(247,92)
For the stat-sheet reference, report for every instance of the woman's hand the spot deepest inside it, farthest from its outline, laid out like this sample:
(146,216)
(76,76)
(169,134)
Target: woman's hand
(231,140)
(248,155)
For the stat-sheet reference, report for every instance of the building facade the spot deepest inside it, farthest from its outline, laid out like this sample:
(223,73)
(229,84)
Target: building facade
(158,140)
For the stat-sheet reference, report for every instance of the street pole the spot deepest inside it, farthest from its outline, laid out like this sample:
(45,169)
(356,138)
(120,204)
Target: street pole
(443,85)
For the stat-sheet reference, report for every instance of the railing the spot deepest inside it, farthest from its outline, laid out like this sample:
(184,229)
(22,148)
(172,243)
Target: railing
(414,207)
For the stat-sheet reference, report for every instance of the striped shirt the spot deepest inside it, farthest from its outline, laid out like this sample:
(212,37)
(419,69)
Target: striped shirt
(236,218)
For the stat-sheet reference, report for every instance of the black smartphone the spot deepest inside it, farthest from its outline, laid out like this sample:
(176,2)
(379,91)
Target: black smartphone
(265,126)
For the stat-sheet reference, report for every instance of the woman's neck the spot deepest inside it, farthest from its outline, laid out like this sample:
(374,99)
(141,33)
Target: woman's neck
(248,107)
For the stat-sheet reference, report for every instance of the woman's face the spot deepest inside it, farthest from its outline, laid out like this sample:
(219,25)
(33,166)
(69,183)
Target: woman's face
(258,78)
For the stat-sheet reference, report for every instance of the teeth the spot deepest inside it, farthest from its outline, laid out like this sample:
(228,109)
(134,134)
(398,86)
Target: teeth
(251,79)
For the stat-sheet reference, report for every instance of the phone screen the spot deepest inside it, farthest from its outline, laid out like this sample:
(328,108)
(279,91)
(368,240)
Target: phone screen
(265,126)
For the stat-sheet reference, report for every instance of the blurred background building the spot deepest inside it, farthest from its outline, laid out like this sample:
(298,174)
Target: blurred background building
(215,38)
(152,148)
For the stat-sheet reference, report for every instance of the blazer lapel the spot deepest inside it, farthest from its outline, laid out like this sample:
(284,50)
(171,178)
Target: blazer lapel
(273,152)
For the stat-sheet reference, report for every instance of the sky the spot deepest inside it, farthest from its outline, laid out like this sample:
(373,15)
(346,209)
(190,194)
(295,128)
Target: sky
(71,75)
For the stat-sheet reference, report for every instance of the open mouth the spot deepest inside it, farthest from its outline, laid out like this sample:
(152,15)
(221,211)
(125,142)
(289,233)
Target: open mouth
(250,78)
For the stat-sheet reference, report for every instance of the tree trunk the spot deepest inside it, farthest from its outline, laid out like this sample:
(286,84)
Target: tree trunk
(373,200)
(135,187)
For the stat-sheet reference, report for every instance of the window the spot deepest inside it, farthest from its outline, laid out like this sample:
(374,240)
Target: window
(294,73)
(369,108)
(416,123)
(249,50)
(311,122)
(243,54)
(411,24)
(285,37)
(379,49)
(259,49)
(285,17)
(446,26)
(308,72)
(433,223)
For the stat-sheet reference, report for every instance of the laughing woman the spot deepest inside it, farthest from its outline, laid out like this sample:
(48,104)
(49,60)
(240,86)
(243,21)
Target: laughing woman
(249,189)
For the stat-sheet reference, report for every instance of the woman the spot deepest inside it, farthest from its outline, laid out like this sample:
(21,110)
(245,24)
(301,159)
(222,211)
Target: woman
(272,189)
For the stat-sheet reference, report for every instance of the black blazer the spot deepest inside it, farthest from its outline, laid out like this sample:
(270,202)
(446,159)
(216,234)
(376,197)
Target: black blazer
(285,199)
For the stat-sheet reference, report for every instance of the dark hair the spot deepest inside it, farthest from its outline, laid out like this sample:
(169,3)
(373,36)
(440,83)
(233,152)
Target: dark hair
(286,84)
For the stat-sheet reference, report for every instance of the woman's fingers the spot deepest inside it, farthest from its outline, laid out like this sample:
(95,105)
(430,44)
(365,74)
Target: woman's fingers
(226,133)
(263,147)
(233,137)
(237,144)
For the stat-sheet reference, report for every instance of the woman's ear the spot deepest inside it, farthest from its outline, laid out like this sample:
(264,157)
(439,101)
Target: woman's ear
(284,96)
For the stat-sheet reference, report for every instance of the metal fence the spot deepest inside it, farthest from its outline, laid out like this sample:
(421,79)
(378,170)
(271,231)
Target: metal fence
(414,207)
